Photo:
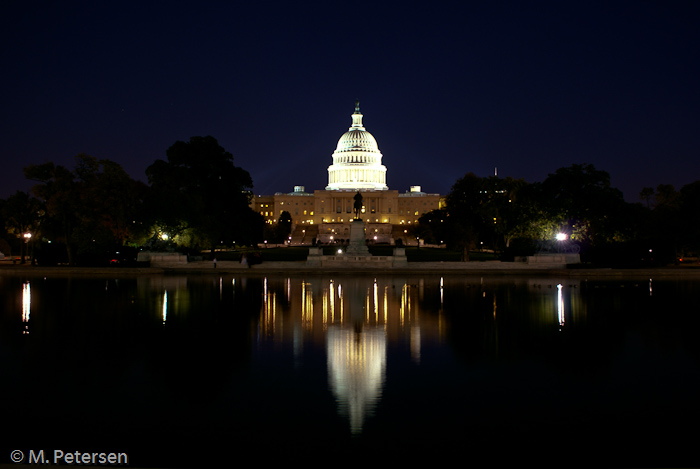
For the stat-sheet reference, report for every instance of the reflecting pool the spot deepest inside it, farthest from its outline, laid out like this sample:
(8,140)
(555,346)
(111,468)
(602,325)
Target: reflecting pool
(199,370)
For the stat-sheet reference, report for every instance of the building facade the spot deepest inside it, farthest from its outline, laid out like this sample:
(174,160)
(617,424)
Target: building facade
(324,216)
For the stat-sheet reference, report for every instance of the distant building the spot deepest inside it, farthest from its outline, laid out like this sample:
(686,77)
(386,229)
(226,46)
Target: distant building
(324,215)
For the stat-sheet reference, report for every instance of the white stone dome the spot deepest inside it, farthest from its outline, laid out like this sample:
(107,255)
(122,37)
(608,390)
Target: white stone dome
(357,161)
(357,140)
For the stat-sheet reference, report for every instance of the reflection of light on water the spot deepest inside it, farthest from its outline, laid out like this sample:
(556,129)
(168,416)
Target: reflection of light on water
(495,306)
(441,287)
(415,344)
(650,287)
(340,300)
(405,306)
(165,306)
(356,371)
(269,319)
(26,306)
(332,301)
(307,304)
(560,304)
(376,298)
(386,303)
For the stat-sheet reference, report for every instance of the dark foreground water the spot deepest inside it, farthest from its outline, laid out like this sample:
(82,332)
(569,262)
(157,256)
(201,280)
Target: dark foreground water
(204,371)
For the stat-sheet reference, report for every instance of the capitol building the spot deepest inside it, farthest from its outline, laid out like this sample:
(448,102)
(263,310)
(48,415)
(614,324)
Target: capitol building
(325,215)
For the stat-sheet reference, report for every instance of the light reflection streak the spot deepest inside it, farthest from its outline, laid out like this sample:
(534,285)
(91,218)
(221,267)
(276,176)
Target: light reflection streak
(386,304)
(307,304)
(367,306)
(441,292)
(402,305)
(26,306)
(376,300)
(340,300)
(164,313)
(332,295)
(495,306)
(560,304)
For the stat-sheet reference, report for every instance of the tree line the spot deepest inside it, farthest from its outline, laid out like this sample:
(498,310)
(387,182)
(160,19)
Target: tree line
(198,199)
(95,213)
(515,218)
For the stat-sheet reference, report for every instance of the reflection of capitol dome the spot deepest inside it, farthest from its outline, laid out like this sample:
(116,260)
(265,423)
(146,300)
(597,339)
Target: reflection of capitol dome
(357,161)
(356,371)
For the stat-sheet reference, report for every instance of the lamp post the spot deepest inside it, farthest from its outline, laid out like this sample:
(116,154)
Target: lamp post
(27,237)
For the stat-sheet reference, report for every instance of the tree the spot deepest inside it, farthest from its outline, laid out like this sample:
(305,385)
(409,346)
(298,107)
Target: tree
(646,194)
(198,189)
(464,214)
(92,209)
(488,211)
(582,201)
(22,214)
(690,223)
(279,232)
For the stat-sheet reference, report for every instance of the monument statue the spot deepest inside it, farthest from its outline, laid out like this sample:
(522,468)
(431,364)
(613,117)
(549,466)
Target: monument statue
(358,205)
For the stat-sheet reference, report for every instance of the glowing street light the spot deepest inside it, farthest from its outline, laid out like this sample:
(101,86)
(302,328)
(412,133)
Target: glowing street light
(561,236)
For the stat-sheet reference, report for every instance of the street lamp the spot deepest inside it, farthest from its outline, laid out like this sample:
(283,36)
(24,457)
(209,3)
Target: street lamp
(27,236)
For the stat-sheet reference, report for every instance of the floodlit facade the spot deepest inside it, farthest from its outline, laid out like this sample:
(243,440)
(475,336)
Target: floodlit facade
(325,215)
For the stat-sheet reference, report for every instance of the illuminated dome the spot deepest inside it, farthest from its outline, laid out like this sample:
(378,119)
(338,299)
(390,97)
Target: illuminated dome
(357,161)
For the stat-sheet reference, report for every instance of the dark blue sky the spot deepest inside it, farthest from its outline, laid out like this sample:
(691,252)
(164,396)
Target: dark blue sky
(445,88)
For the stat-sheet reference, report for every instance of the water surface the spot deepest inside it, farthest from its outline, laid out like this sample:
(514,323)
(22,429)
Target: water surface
(192,370)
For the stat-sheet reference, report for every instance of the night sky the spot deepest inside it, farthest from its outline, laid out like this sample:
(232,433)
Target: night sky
(445,88)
